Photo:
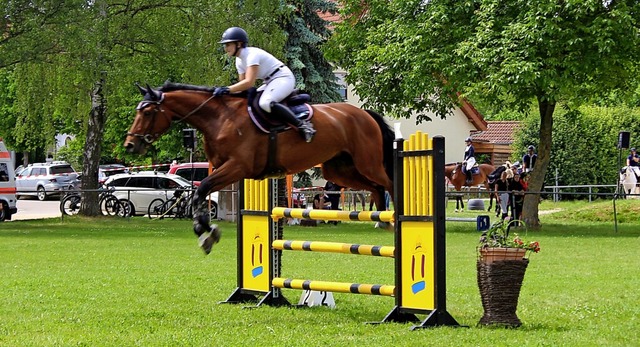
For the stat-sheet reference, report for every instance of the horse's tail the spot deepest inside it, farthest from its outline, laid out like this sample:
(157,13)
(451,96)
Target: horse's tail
(388,136)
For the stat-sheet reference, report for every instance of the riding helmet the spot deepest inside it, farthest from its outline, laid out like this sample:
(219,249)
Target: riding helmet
(632,149)
(235,34)
(531,148)
(468,139)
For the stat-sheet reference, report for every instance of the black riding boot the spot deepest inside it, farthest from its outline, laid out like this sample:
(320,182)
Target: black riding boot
(284,114)
(469,179)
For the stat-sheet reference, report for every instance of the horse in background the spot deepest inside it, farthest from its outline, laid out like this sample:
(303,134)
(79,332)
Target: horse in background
(629,182)
(355,146)
(458,179)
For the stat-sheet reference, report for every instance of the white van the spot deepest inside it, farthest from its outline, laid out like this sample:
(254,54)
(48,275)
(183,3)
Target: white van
(7,185)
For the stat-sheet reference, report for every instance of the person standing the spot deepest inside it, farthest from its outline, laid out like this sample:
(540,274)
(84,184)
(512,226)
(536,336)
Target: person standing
(633,160)
(333,192)
(529,160)
(517,197)
(253,63)
(469,159)
(502,193)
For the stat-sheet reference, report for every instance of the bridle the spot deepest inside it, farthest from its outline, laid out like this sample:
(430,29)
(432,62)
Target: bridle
(149,138)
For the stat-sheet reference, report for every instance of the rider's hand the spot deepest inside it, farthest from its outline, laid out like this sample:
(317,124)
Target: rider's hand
(220,91)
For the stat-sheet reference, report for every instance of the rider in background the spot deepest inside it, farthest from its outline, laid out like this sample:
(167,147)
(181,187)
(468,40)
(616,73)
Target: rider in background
(469,159)
(529,160)
(633,160)
(253,63)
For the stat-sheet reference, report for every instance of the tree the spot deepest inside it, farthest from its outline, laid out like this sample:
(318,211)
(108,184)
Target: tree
(418,55)
(306,32)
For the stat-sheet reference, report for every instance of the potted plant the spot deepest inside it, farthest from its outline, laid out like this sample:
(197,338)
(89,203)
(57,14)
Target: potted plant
(502,262)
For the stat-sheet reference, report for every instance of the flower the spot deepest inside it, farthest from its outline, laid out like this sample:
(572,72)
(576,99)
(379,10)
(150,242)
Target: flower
(498,236)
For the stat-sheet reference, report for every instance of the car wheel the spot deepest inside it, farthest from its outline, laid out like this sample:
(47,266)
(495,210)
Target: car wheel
(213,211)
(4,211)
(42,194)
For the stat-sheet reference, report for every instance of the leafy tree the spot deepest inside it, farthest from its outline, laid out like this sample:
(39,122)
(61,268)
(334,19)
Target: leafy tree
(416,55)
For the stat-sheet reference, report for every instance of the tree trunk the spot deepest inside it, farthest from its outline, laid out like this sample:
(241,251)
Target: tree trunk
(536,180)
(93,149)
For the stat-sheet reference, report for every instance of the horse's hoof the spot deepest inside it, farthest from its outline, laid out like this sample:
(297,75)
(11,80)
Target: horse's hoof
(456,210)
(384,225)
(209,238)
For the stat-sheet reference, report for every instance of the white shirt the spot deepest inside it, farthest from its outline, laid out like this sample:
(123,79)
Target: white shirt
(250,56)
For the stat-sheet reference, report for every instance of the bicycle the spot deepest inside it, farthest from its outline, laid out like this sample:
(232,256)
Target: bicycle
(178,206)
(109,204)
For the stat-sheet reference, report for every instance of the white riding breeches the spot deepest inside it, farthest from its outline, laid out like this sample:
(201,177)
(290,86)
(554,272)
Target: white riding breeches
(470,163)
(277,88)
(636,170)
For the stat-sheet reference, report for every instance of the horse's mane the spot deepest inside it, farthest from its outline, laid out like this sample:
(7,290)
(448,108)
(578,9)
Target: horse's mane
(170,87)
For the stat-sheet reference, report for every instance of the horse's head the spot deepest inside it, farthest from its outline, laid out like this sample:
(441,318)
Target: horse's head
(151,121)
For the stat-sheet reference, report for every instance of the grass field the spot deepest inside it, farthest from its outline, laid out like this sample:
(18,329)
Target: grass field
(114,282)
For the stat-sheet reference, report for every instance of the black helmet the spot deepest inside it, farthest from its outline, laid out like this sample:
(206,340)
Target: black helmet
(235,34)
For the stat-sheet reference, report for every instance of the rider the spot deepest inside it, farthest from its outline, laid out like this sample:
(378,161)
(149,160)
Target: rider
(278,81)
(469,159)
(529,159)
(633,160)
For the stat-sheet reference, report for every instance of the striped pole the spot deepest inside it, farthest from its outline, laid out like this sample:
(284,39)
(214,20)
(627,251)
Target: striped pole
(317,214)
(334,247)
(336,287)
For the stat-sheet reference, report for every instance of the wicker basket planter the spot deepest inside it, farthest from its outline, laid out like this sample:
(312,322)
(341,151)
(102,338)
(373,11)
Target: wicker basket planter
(492,254)
(499,282)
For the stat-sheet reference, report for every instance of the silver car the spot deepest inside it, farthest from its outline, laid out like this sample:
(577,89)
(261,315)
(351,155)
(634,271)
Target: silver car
(46,179)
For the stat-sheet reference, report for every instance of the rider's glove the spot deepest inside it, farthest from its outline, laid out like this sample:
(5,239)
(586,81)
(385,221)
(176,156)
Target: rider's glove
(220,91)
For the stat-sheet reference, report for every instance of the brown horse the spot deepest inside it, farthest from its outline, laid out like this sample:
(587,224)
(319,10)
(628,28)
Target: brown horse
(458,179)
(354,146)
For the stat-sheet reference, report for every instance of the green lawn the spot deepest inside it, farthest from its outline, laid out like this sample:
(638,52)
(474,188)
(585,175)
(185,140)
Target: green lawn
(115,282)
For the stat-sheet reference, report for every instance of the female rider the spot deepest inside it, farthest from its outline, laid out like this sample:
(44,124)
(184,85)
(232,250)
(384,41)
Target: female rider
(253,63)
(469,159)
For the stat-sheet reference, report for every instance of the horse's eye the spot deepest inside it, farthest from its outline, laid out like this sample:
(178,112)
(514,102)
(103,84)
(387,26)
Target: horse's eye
(147,113)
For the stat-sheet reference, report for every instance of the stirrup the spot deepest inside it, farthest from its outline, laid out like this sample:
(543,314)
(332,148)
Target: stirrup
(307,131)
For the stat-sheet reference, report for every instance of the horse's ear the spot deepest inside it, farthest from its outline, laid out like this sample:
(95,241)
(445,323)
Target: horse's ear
(153,94)
(142,90)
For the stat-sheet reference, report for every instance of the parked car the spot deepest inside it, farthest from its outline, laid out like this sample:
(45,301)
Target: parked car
(194,172)
(104,171)
(140,188)
(46,179)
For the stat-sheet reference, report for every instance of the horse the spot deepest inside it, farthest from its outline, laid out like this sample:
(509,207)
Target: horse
(629,181)
(453,172)
(354,146)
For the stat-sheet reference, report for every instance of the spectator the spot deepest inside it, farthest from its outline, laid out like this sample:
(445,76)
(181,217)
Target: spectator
(633,160)
(529,160)
(332,190)
(321,201)
(517,198)
(501,189)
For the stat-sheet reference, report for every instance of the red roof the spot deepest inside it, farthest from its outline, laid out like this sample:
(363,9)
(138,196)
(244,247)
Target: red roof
(498,132)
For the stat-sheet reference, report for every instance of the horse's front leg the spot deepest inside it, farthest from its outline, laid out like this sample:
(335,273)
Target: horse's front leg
(208,235)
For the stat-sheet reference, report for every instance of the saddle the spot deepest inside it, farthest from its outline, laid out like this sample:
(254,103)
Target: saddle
(297,103)
(495,174)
